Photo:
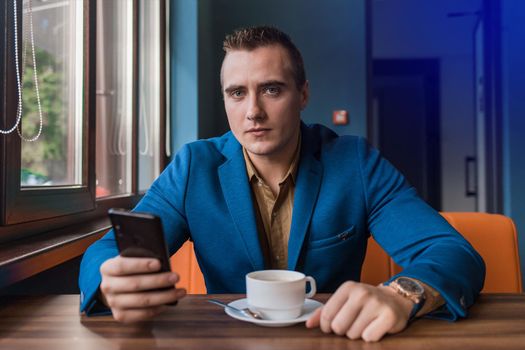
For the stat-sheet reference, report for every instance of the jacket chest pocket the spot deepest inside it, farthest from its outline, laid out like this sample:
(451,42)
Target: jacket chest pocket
(333,240)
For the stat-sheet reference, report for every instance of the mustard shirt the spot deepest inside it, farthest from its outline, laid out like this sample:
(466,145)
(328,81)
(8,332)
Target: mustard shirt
(274,214)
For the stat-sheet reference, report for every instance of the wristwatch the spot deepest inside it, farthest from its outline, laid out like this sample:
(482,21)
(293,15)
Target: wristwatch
(412,290)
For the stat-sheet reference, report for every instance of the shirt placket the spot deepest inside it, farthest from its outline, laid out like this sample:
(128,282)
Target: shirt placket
(278,248)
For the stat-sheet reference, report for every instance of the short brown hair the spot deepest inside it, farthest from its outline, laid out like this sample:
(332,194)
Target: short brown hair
(252,38)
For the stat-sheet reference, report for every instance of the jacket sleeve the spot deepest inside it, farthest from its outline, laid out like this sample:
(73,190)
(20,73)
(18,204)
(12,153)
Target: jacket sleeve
(418,238)
(166,199)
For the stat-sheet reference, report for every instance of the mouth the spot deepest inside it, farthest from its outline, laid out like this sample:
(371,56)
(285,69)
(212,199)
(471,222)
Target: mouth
(258,131)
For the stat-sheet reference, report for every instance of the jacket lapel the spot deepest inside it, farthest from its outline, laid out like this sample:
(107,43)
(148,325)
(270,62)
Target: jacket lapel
(306,190)
(237,194)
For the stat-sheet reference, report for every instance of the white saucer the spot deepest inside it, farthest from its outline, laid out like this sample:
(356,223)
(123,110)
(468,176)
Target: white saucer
(308,309)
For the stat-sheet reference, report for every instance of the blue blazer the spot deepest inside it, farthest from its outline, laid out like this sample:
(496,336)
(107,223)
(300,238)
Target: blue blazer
(344,192)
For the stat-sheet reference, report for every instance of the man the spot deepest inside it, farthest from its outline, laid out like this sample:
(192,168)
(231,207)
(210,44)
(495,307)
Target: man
(276,193)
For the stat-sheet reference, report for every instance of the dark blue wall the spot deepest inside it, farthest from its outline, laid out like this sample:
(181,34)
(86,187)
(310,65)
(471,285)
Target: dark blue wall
(513,35)
(184,72)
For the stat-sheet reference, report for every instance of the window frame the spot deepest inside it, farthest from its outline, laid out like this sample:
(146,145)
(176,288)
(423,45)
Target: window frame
(22,204)
(29,210)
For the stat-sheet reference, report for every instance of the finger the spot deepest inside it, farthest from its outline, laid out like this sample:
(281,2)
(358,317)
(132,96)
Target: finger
(135,315)
(315,319)
(145,299)
(334,304)
(119,266)
(376,329)
(347,315)
(367,315)
(136,283)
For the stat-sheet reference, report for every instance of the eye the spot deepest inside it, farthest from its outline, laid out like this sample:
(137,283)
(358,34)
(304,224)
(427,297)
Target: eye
(237,93)
(272,90)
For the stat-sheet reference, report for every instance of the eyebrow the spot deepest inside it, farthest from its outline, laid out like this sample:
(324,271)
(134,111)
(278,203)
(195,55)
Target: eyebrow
(272,83)
(231,88)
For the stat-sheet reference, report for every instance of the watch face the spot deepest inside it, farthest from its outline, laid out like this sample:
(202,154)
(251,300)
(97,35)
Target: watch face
(410,286)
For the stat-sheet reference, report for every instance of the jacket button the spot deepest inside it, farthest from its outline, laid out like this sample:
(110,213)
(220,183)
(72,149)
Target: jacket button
(462,302)
(344,235)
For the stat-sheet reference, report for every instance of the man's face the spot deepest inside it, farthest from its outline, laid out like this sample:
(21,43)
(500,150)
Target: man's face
(262,101)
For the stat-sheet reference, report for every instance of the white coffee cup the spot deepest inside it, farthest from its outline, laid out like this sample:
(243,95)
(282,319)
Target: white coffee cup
(278,294)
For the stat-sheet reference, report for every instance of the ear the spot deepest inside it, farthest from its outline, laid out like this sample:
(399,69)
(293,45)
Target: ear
(305,94)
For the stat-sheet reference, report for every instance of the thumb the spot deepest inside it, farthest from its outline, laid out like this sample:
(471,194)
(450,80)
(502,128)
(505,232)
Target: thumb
(315,319)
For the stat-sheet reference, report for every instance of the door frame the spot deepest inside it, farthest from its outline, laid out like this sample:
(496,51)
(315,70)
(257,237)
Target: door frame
(492,129)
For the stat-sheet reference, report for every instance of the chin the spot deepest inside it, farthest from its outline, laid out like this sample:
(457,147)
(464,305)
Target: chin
(261,150)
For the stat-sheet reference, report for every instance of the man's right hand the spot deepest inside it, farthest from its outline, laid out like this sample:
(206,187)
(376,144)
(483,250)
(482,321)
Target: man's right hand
(129,286)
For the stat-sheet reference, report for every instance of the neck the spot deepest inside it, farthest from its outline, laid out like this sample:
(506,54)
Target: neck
(272,168)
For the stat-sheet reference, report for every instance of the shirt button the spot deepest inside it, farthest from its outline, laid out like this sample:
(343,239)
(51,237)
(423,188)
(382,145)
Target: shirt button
(274,214)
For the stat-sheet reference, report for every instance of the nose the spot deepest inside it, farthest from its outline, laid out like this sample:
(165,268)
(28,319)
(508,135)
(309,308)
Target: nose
(254,112)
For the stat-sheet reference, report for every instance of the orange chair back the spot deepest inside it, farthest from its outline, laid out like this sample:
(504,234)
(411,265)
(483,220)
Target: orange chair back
(186,265)
(492,235)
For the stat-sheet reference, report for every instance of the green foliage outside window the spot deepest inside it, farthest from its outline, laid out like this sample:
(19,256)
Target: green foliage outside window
(45,159)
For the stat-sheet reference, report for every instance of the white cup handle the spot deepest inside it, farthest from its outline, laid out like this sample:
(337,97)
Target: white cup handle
(313,288)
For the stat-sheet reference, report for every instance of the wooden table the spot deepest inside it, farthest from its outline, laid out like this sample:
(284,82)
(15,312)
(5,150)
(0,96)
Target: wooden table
(497,321)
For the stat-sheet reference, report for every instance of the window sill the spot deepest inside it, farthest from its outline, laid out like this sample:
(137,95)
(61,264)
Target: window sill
(29,256)
(28,249)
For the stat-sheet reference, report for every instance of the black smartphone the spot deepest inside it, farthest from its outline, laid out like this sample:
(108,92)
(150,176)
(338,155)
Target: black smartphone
(140,235)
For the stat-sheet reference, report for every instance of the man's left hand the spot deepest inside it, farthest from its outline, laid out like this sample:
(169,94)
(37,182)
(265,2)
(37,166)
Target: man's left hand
(359,310)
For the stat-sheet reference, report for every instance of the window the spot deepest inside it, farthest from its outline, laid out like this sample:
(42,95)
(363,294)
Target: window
(115,101)
(34,186)
(114,97)
(151,89)
(54,36)
(101,85)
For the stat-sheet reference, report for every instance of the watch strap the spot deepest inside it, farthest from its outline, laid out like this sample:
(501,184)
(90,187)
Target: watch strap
(416,308)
